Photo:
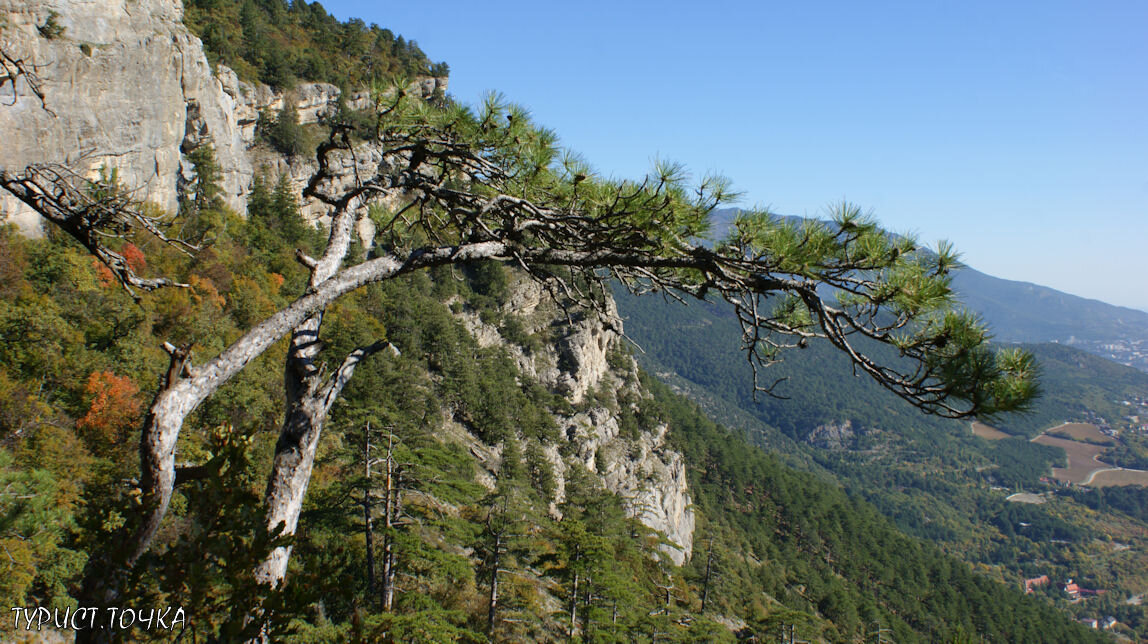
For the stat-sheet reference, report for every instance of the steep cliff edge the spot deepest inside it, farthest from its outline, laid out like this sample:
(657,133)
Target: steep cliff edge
(128,87)
(123,83)
(585,363)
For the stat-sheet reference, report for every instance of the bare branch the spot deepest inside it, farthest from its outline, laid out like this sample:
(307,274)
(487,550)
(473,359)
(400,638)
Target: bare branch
(14,69)
(343,375)
(306,260)
(92,212)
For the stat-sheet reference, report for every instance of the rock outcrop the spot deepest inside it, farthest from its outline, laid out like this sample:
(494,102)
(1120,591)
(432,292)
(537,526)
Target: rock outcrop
(128,87)
(833,436)
(643,470)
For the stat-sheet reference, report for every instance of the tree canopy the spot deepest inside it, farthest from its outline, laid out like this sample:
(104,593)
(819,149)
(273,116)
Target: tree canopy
(278,43)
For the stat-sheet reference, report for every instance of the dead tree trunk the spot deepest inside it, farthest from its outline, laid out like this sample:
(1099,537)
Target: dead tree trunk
(392,507)
(185,387)
(368,495)
(587,603)
(574,607)
(499,527)
(668,590)
(492,611)
(709,570)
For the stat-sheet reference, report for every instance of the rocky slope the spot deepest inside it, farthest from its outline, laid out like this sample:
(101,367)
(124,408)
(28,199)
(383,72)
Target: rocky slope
(584,360)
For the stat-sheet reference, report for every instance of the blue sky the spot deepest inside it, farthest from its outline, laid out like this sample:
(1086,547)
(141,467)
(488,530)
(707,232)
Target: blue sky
(1016,130)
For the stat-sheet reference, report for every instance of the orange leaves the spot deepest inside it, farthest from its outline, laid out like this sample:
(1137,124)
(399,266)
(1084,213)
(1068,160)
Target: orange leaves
(203,291)
(105,275)
(113,412)
(132,255)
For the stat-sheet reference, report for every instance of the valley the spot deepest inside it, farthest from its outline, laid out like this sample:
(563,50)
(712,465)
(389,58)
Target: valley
(1084,446)
(1083,456)
(946,481)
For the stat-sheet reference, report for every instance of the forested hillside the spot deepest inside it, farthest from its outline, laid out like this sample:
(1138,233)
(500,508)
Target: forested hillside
(281,43)
(680,339)
(179,425)
(932,477)
(782,547)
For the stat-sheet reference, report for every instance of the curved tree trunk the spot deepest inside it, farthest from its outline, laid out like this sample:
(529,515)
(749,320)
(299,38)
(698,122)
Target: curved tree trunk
(185,387)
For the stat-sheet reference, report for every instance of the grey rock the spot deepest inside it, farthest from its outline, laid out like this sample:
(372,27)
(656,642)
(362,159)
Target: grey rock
(144,92)
(833,436)
(138,97)
(644,471)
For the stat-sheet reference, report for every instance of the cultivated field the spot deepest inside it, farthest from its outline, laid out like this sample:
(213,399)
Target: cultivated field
(1025,497)
(1081,458)
(990,433)
(1085,432)
(1119,477)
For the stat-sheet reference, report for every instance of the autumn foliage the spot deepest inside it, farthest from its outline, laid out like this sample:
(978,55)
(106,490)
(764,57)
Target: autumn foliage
(113,412)
(134,257)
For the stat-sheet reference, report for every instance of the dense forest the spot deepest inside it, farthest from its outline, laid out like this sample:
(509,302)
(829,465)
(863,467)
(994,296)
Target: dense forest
(281,43)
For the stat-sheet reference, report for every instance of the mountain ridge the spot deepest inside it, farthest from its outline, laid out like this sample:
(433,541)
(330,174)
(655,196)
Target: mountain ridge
(1025,312)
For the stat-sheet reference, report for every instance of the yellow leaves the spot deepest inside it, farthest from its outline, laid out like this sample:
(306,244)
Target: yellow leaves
(12,262)
(204,292)
(17,569)
(113,522)
(20,410)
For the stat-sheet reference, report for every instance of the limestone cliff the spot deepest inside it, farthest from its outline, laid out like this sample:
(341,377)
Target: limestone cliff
(584,359)
(127,86)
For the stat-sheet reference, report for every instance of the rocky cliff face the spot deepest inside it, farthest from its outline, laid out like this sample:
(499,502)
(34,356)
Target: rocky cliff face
(128,87)
(834,436)
(641,469)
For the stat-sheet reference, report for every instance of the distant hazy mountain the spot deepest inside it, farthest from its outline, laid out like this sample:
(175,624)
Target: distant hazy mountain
(694,349)
(1025,312)
(1030,313)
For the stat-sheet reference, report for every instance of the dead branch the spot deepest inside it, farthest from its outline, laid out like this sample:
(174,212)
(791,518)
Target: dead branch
(15,68)
(92,212)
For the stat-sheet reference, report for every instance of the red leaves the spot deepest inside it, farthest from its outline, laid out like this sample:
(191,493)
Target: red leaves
(113,412)
(132,255)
